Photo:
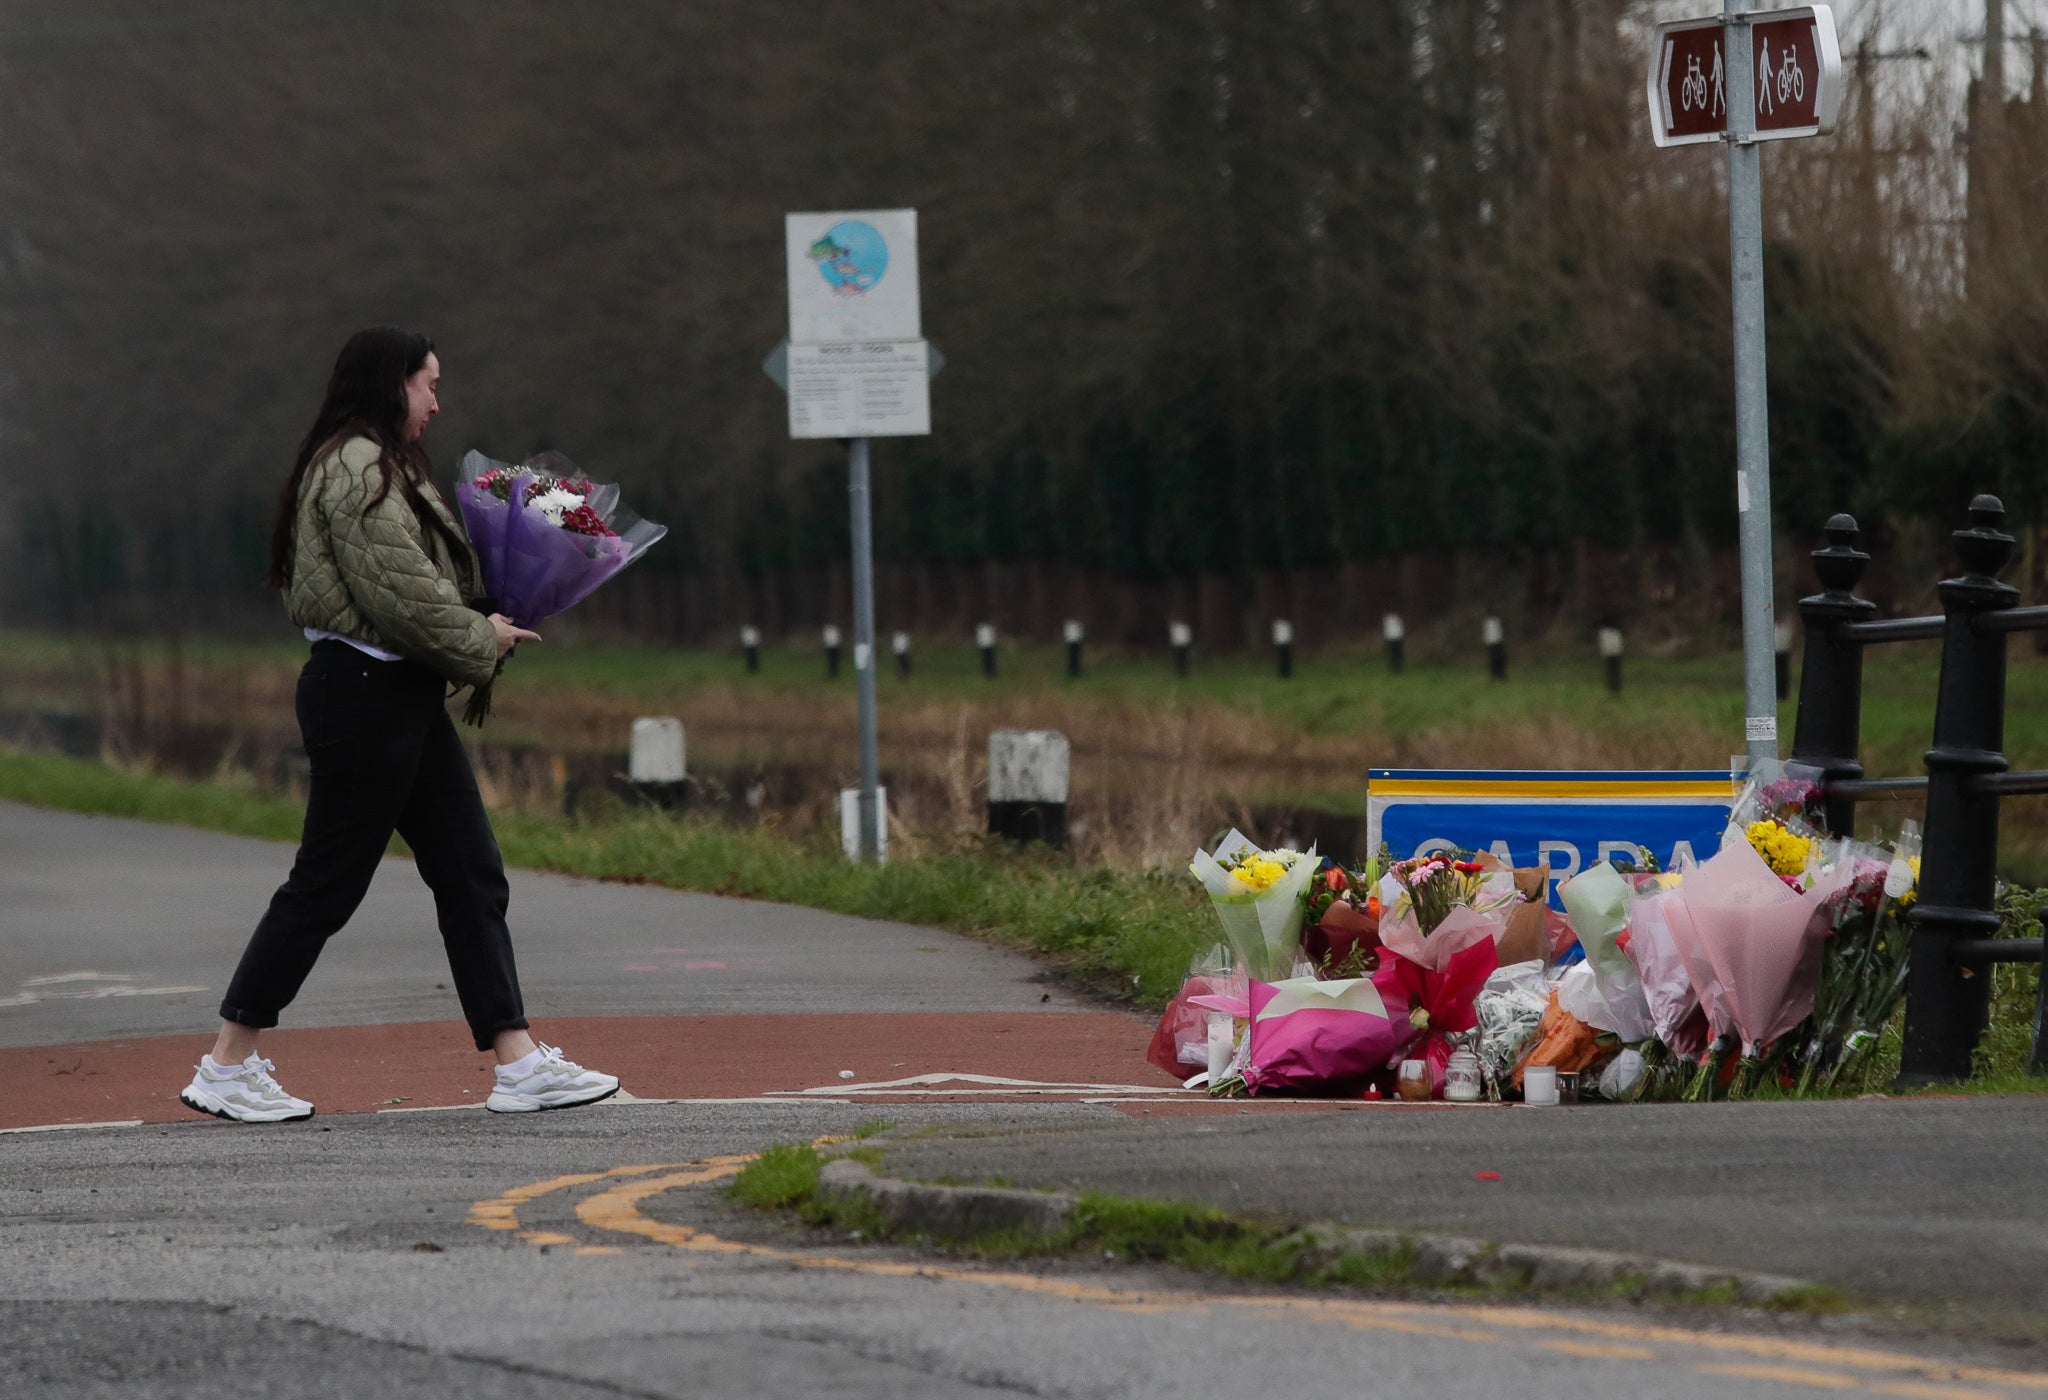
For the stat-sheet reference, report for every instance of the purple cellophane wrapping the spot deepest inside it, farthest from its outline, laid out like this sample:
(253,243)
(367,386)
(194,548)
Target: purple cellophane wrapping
(531,566)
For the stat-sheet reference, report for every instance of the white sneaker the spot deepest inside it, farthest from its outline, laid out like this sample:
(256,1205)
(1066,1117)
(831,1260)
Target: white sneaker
(243,1093)
(553,1082)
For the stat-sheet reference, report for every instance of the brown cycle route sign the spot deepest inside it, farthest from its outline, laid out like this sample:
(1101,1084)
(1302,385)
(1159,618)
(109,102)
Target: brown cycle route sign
(1797,79)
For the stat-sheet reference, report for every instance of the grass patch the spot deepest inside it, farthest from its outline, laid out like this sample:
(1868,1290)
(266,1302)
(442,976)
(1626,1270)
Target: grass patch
(1195,1237)
(782,1178)
(79,785)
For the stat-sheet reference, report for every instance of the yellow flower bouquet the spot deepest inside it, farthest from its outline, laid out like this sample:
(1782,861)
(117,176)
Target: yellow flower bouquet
(1261,896)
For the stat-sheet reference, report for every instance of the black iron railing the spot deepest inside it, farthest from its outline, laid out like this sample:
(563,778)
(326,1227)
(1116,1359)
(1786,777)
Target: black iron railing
(1948,990)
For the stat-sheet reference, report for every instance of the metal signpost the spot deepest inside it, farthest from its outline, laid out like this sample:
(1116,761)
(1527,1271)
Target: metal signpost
(1742,77)
(856,366)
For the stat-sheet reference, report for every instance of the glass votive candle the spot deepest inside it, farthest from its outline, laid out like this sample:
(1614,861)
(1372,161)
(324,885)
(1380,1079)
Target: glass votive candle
(1414,1080)
(1539,1086)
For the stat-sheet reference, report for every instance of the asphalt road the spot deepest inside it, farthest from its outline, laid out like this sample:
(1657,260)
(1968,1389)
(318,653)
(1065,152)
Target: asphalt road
(448,1251)
(444,1254)
(1935,1201)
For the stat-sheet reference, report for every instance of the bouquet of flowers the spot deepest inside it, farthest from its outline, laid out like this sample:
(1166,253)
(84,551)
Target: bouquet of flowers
(1261,897)
(1597,902)
(1653,946)
(1434,907)
(1779,814)
(1304,1033)
(545,536)
(1863,972)
(1757,930)
(1509,1011)
(1341,934)
(1442,1002)
(1182,1037)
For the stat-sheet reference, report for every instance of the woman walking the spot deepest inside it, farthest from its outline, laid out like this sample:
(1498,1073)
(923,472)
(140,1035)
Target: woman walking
(375,567)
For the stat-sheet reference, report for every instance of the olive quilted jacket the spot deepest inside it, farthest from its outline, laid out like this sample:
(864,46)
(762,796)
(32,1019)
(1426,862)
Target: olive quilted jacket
(374,573)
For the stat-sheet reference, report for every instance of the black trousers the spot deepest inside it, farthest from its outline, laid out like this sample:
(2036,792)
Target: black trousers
(385,758)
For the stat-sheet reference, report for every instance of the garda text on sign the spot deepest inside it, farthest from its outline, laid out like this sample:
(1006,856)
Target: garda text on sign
(1568,820)
(1797,81)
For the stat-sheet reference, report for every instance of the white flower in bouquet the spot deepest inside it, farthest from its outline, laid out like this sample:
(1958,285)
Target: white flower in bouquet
(554,503)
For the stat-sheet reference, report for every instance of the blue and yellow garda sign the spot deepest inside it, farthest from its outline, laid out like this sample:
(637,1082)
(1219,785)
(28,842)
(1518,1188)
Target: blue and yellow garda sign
(1569,819)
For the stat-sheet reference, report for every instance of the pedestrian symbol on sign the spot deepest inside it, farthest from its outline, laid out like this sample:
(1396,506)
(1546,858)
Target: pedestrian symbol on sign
(1697,92)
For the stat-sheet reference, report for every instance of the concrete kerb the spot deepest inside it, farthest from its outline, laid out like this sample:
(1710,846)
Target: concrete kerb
(952,1213)
(959,1214)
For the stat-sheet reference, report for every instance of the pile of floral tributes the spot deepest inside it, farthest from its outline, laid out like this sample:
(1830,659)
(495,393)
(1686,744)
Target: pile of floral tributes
(1778,961)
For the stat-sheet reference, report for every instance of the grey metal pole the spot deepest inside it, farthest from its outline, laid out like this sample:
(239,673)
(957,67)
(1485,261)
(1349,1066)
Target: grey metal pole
(1752,425)
(864,644)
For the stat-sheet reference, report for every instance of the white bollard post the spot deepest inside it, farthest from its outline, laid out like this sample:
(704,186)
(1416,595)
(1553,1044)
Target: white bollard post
(1610,654)
(1283,647)
(1074,635)
(900,644)
(1182,638)
(654,763)
(1396,633)
(985,638)
(750,643)
(1027,785)
(1495,638)
(831,638)
(849,823)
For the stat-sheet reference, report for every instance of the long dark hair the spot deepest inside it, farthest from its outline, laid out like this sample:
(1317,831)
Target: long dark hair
(366,398)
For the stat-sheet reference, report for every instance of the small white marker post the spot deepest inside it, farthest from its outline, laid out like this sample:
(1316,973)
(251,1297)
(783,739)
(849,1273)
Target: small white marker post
(1283,647)
(1074,635)
(1181,638)
(900,645)
(1610,655)
(831,639)
(750,643)
(1396,634)
(1495,638)
(985,638)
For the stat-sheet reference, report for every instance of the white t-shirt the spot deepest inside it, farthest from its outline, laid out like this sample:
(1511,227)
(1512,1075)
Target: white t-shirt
(314,634)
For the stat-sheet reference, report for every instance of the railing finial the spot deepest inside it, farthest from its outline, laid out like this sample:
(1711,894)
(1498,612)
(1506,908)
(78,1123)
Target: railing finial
(1840,565)
(1984,547)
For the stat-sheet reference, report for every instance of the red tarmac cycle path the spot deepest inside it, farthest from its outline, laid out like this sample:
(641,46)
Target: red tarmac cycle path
(360,1069)
(1084,1056)
(115,937)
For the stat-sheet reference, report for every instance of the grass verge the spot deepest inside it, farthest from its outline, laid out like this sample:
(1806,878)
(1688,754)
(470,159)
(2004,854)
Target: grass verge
(1201,1239)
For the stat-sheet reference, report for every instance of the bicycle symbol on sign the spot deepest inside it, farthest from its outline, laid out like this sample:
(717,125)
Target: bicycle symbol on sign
(1699,91)
(1693,91)
(1787,82)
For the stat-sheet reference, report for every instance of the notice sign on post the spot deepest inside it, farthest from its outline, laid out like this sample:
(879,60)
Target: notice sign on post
(1797,83)
(857,356)
(864,389)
